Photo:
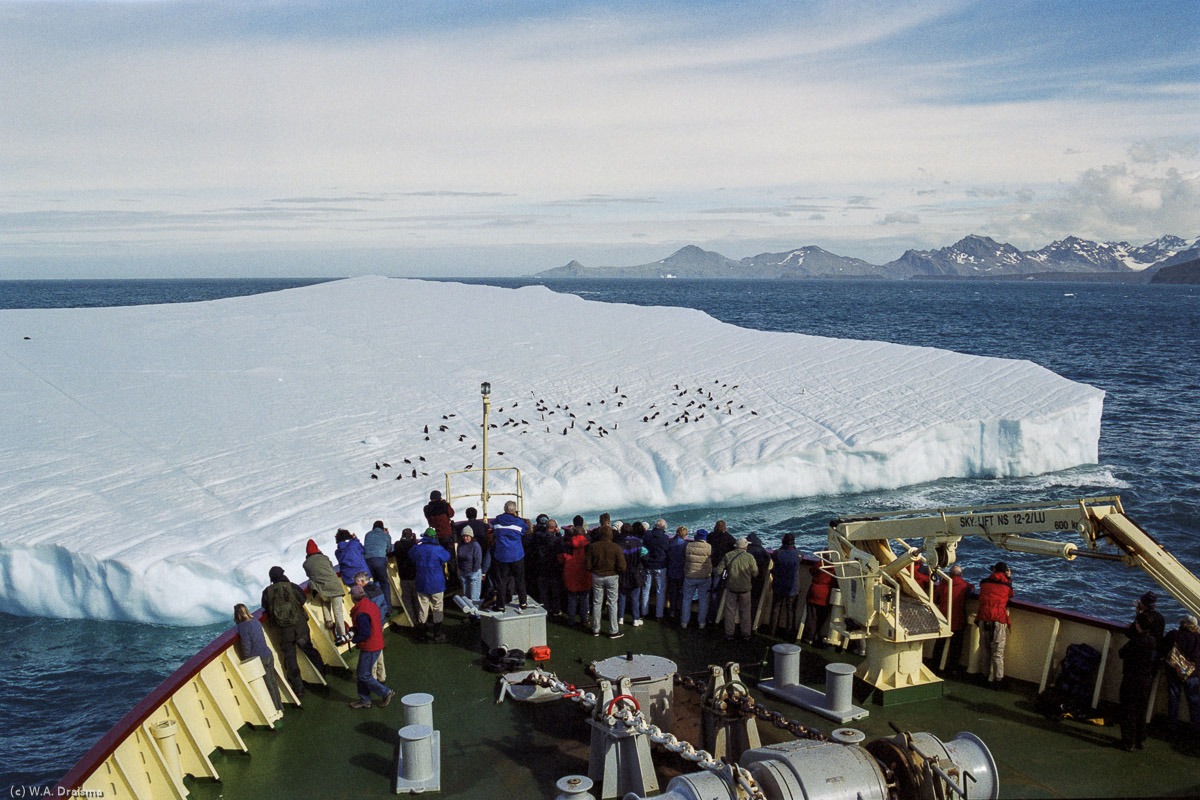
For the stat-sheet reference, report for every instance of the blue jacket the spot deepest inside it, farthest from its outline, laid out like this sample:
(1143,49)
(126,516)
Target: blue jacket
(377,543)
(783,574)
(429,556)
(675,558)
(252,642)
(351,560)
(508,529)
(656,542)
(470,557)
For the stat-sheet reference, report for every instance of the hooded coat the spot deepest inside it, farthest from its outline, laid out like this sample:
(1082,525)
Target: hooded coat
(574,564)
(322,577)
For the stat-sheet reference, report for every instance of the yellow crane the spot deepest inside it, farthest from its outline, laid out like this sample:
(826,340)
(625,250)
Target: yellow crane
(884,605)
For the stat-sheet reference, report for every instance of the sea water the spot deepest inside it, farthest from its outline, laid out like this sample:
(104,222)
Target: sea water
(63,683)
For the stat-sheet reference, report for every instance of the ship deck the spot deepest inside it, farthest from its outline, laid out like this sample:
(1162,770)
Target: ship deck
(515,750)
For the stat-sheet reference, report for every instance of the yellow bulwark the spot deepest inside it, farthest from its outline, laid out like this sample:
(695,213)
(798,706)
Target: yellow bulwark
(198,709)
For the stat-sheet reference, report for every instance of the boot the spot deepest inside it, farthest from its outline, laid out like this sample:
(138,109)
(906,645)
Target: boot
(438,636)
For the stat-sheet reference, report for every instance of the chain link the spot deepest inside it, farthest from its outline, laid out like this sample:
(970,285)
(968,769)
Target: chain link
(747,705)
(636,721)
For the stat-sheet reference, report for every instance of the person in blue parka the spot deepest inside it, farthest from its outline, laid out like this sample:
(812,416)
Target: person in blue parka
(429,556)
(351,557)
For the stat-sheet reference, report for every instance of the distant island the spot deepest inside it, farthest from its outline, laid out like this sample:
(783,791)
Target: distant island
(971,257)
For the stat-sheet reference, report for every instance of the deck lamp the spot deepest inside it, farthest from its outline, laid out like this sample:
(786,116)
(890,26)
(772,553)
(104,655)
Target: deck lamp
(485,389)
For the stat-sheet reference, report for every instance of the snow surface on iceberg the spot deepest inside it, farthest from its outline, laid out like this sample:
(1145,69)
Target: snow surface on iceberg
(155,461)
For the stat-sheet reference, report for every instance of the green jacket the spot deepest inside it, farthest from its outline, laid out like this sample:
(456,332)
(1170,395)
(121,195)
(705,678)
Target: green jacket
(742,569)
(322,577)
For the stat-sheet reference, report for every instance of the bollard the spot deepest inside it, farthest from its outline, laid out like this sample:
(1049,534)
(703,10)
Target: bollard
(787,665)
(418,709)
(419,755)
(839,687)
(416,752)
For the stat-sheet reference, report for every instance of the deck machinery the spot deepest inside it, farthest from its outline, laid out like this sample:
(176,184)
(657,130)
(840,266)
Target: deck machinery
(882,603)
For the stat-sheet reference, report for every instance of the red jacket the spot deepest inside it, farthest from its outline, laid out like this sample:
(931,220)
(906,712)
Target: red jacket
(958,600)
(822,583)
(994,593)
(372,626)
(575,575)
(438,514)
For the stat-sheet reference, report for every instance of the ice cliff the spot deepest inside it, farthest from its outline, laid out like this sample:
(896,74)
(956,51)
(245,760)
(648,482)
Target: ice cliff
(155,461)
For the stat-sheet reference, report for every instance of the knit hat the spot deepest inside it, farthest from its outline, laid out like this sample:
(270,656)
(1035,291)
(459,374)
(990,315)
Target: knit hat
(277,574)
(312,547)
(701,535)
(467,533)
(357,592)
(431,532)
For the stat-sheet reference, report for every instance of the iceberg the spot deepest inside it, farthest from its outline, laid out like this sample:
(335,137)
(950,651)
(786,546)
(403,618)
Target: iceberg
(156,461)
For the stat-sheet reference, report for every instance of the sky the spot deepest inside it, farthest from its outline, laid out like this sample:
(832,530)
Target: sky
(248,138)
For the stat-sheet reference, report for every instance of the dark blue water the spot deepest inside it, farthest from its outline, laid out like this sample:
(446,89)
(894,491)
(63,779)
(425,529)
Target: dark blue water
(63,683)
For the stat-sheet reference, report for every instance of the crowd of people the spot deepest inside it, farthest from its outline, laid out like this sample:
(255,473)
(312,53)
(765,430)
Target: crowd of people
(597,577)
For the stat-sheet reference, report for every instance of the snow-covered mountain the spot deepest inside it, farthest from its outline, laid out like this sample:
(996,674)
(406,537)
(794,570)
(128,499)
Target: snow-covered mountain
(972,256)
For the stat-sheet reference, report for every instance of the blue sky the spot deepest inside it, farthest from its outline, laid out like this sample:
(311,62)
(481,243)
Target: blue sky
(247,138)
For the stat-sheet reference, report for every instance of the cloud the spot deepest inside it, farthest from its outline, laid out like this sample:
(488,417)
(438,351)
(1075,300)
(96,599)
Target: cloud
(899,218)
(1155,151)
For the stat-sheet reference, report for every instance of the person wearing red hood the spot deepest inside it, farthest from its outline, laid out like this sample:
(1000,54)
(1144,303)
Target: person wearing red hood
(323,581)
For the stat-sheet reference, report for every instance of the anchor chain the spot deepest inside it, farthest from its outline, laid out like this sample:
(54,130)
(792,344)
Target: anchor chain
(747,705)
(732,773)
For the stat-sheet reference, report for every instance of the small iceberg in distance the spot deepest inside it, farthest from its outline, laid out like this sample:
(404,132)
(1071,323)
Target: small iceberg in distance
(154,466)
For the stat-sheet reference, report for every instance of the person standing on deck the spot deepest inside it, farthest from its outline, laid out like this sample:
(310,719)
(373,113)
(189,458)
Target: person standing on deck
(547,544)
(283,602)
(429,556)
(375,595)
(992,618)
(740,569)
(951,597)
(323,581)
(697,578)
(576,579)
(1137,674)
(1157,625)
(785,586)
(407,571)
(656,542)
(368,635)
(1187,639)
(675,568)
(634,575)
(817,608)
(722,542)
(605,559)
(439,515)
(508,557)
(253,642)
(470,564)
(377,544)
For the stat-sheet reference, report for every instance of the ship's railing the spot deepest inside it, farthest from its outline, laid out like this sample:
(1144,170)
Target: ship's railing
(199,708)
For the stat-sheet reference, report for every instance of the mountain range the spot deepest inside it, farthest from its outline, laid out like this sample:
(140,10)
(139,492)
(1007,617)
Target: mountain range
(971,257)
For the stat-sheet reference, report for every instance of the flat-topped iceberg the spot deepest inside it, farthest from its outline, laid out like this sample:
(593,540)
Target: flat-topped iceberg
(155,461)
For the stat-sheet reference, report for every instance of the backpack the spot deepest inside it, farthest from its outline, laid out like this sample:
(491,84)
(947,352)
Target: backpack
(282,606)
(1178,663)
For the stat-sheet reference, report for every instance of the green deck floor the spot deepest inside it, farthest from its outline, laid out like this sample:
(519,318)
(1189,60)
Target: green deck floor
(512,750)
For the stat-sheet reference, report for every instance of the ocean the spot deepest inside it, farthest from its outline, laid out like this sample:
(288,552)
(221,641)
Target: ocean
(63,683)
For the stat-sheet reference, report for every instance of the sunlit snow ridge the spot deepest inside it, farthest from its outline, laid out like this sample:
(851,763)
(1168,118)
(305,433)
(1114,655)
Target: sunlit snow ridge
(155,461)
